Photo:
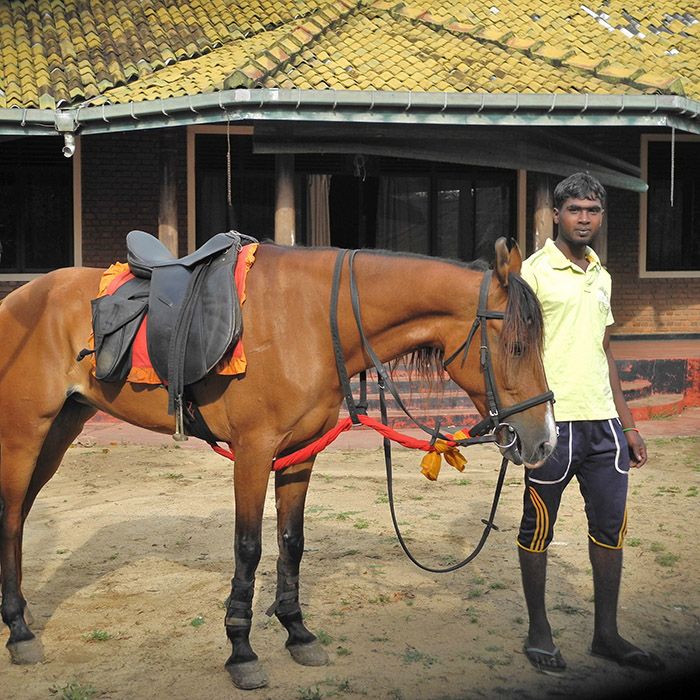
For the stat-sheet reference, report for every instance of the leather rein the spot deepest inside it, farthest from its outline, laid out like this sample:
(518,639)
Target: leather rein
(483,432)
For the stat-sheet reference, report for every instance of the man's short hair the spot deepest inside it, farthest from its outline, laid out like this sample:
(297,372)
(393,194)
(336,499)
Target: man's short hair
(579,186)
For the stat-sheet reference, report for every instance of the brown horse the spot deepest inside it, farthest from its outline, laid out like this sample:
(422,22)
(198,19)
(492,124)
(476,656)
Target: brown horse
(289,395)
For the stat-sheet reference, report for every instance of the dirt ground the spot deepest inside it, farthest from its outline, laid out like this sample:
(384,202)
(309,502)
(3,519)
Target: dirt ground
(128,563)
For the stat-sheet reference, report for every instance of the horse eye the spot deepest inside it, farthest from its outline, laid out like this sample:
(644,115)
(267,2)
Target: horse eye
(517,348)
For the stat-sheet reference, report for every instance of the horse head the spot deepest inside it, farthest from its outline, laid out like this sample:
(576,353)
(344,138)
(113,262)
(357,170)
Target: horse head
(502,369)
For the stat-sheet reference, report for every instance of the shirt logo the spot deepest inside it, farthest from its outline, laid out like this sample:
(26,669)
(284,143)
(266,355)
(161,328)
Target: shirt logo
(603,301)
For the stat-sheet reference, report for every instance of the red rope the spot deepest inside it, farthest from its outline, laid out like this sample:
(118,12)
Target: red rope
(305,453)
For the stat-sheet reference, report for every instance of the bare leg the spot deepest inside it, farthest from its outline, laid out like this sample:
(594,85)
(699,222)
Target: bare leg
(539,647)
(607,642)
(290,490)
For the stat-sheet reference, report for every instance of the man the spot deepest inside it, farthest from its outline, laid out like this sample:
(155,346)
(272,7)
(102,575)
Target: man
(597,439)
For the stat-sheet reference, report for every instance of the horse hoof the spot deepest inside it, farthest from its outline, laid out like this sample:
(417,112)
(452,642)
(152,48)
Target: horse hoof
(247,675)
(27,652)
(311,654)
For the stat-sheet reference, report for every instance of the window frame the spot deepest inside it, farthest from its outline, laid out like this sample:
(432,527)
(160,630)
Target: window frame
(646,139)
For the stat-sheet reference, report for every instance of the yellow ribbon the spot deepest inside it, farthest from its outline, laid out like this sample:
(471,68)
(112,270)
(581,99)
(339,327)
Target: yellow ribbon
(432,462)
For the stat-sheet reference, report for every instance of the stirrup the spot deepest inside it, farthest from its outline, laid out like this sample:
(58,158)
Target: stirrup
(179,434)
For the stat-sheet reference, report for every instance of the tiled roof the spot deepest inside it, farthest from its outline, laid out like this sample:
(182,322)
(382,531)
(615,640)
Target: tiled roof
(66,52)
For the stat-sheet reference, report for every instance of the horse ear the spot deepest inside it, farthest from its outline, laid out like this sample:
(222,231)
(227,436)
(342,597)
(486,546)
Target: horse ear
(507,260)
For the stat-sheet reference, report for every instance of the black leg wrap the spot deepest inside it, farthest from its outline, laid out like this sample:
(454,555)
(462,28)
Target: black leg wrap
(239,611)
(287,598)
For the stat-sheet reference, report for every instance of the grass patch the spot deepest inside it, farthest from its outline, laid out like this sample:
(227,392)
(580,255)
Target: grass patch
(568,609)
(657,547)
(346,515)
(98,636)
(692,491)
(413,655)
(197,621)
(361,524)
(633,541)
(73,691)
(667,559)
(324,637)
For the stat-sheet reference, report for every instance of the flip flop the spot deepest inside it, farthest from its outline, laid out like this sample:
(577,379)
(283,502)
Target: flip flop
(636,658)
(548,662)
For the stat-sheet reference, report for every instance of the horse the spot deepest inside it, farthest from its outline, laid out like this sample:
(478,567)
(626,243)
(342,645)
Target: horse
(288,396)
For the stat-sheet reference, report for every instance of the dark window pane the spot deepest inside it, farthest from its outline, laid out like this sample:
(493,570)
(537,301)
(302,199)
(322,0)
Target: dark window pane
(673,232)
(36,205)
(252,188)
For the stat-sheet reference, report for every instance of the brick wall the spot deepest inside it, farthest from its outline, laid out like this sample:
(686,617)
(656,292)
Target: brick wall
(121,190)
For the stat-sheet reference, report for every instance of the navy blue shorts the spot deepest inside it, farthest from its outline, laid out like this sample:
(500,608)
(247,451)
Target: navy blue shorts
(596,453)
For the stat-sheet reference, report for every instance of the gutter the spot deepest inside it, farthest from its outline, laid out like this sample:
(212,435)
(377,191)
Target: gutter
(342,106)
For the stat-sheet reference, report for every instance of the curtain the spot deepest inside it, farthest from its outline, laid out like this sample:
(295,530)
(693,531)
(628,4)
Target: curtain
(319,219)
(403,214)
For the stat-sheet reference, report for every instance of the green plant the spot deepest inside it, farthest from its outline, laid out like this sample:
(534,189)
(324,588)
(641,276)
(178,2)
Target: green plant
(73,690)
(197,621)
(310,693)
(323,637)
(413,655)
(98,636)
(667,559)
(633,541)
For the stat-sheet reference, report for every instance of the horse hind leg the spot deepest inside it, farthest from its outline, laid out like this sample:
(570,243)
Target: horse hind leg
(23,475)
(290,490)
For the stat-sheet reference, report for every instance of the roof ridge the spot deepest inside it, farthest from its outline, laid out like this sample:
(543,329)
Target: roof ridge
(304,34)
(537,49)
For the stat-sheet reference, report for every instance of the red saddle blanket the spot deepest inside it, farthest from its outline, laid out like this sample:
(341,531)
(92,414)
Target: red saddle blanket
(142,372)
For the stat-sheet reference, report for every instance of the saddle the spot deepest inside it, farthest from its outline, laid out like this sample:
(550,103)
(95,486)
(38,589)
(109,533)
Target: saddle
(194,314)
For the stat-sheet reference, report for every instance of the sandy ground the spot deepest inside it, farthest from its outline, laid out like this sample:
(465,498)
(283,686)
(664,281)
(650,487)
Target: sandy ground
(128,562)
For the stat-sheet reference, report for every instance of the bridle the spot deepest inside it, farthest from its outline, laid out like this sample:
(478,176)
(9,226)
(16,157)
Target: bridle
(497,413)
(483,432)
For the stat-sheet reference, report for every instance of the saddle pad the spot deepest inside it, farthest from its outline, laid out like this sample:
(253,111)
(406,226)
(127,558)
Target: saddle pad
(142,371)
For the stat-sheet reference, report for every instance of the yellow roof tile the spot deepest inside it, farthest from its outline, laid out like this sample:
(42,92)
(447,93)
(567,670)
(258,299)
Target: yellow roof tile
(129,50)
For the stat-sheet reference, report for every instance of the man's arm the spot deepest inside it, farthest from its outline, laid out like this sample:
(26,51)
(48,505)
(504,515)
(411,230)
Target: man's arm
(638,450)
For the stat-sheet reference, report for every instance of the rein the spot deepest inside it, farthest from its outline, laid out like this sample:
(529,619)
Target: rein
(485,431)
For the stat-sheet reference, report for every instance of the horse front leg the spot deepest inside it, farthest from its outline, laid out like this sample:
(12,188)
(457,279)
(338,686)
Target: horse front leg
(15,477)
(291,487)
(251,475)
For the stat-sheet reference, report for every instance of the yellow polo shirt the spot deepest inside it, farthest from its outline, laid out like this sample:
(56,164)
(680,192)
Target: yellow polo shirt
(576,310)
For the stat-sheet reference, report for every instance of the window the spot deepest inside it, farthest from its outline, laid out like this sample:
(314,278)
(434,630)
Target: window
(36,206)
(252,188)
(670,231)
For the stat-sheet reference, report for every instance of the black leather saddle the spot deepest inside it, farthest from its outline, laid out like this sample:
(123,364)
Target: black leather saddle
(194,314)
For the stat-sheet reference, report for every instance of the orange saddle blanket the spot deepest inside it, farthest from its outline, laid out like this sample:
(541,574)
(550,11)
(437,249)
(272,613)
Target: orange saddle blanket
(142,372)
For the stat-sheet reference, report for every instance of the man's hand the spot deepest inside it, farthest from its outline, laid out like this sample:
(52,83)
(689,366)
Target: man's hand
(638,450)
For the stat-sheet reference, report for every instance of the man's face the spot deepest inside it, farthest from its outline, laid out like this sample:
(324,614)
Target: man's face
(579,220)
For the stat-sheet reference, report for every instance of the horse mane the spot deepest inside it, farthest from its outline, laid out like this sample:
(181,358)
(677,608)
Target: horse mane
(522,336)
